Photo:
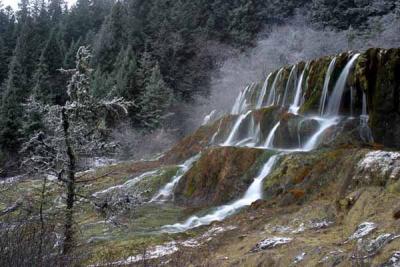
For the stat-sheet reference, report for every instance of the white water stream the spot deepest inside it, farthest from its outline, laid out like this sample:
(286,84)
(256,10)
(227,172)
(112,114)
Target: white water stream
(330,118)
(326,86)
(253,193)
(336,98)
(165,192)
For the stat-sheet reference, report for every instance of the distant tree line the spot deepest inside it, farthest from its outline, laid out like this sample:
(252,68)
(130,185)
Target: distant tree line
(152,52)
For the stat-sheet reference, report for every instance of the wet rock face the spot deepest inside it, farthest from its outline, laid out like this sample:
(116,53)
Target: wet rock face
(379,76)
(220,175)
(199,140)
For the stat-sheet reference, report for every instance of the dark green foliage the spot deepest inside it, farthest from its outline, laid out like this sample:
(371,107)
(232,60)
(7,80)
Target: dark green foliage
(147,51)
(111,38)
(345,13)
(155,98)
(49,82)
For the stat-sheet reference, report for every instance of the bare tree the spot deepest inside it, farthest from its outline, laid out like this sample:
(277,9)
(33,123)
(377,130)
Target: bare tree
(77,128)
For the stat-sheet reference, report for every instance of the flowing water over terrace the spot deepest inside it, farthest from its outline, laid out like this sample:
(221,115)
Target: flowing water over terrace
(165,192)
(253,193)
(325,119)
(283,96)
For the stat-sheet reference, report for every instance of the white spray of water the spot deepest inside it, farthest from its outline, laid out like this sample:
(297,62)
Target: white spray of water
(272,92)
(336,97)
(253,193)
(326,86)
(231,138)
(291,83)
(325,123)
(365,131)
(260,101)
(209,117)
(269,143)
(165,192)
(294,108)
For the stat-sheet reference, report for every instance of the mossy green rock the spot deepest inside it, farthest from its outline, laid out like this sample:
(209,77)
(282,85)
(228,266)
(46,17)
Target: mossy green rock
(218,177)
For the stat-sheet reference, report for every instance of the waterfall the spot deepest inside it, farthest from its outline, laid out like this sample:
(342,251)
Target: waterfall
(165,192)
(271,136)
(235,129)
(216,133)
(240,102)
(325,123)
(272,92)
(326,86)
(294,108)
(298,131)
(293,72)
(253,193)
(336,98)
(253,135)
(263,92)
(209,117)
(365,131)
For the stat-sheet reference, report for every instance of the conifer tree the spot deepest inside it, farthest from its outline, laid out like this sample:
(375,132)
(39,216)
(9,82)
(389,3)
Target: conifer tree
(111,38)
(154,100)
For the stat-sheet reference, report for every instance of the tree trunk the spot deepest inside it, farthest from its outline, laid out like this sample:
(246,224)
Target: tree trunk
(70,184)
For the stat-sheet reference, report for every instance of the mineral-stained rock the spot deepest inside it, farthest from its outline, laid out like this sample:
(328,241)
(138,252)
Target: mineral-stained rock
(220,175)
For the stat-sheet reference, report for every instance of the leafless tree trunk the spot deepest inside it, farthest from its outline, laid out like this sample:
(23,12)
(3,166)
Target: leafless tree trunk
(70,183)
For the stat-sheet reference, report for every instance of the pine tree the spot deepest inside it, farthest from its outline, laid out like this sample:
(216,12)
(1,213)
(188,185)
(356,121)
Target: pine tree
(16,89)
(111,38)
(154,101)
(7,41)
(48,81)
(55,11)
(124,74)
(69,58)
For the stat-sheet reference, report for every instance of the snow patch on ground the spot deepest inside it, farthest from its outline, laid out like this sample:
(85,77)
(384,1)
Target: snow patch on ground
(362,230)
(11,180)
(207,236)
(153,253)
(287,229)
(380,162)
(299,258)
(170,248)
(394,260)
(271,242)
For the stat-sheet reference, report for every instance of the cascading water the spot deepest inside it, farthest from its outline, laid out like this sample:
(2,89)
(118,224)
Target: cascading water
(240,103)
(270,139)
(324,123)
(326,86)
(260,100)
(253,193)
(292,80)
(165,193)
(272,93)
(232,135)
(212,141)
(294,108)
(209,117)
(336,97)
(252,136)
(365,131)
(330,118)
